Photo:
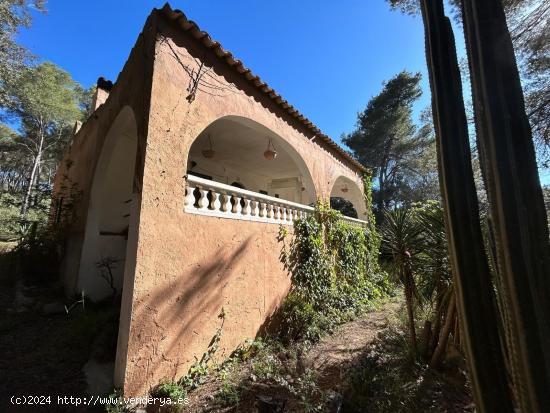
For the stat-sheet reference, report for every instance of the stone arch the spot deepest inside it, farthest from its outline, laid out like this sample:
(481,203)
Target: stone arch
(238,145)
(109,209)
(344,187)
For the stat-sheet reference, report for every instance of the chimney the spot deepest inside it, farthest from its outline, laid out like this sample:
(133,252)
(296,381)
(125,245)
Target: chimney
(102,92)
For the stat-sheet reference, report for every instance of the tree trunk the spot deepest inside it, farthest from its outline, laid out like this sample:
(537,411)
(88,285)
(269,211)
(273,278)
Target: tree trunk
(28,191)
(473,286)
(437,322)
(409,297)
(517,209)
(34,169)
(381,190)
(439,352)
(36,200)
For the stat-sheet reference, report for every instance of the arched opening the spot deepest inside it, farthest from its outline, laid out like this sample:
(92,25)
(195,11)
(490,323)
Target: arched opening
(242,153)
(346,197)
(103,258)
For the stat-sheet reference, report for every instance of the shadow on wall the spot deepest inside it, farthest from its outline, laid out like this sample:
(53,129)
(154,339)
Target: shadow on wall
(178,316)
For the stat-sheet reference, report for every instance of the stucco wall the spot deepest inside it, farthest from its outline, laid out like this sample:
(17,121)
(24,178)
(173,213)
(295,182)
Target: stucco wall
(188,267)
(131,97)
(182,269)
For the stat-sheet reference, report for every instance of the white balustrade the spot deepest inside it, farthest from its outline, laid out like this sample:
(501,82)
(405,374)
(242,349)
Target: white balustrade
(354,221)
(206,197)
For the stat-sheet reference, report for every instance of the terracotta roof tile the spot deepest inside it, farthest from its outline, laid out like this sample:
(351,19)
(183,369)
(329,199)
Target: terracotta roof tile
(191,27)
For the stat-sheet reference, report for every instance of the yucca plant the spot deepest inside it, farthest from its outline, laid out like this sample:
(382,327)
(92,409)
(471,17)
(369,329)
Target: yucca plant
(401,244)
(437,285)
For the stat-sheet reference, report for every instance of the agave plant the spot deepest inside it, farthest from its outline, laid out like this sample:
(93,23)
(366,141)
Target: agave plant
(401,244)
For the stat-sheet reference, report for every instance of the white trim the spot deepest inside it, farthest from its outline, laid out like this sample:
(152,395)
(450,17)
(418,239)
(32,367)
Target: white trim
(258,207)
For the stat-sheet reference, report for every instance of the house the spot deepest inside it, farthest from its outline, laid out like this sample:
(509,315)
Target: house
(185,171)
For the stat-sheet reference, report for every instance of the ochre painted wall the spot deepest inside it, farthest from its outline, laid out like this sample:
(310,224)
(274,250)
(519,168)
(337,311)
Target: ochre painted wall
(182,269)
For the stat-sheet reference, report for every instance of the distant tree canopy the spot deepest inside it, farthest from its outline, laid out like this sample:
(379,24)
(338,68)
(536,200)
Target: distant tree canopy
(400,154)
(14,14)
(344,206)
(45,101)
(529,25)
(40,103)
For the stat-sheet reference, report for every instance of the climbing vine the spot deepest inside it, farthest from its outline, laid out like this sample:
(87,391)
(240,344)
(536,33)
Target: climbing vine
(335,273)
(374,239)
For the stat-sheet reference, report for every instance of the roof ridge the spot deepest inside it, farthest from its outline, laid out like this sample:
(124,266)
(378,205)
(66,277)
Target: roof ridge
(202,36)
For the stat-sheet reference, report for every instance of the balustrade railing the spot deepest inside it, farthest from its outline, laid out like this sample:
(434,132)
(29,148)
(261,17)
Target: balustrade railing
(354,221)
(206,197)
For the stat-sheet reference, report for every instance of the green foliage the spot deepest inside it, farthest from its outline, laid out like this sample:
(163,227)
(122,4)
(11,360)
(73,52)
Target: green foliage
(387,141)
(14,14)
(12,224)
(333,275)
(46,97)
(279,366)
(529,26)
(414,249)
(401,241)
(174,392)
(46,102)
(228,394)
(386,380)
(344,206)
(433,264)
(266,365)
(199,370)
(119,406)
(37,257)
(417,236)
(40,246)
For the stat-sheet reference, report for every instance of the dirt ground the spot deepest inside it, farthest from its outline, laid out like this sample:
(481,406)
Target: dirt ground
(43,354)
(363,366)
(331,359)
(335,354)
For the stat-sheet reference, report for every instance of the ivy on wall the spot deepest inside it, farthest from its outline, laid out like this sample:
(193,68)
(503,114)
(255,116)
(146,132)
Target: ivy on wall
(335,272)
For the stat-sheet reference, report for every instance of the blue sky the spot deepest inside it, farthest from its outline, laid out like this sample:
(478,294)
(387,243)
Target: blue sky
(327,58)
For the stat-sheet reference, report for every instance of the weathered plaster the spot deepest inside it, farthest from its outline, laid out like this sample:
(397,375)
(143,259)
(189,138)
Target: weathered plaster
(182,269)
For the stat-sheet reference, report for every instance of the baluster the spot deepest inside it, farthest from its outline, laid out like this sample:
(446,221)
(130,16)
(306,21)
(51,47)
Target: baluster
(189,197)
(263,210)
(284,217)
(270,212)
(247,210)
(237,208)
(290,215)
(203,200)
(255,208)
(215,204)
(226,203)
(277,213)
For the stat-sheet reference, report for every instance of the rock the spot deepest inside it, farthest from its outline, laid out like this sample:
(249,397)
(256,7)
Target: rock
(53,308)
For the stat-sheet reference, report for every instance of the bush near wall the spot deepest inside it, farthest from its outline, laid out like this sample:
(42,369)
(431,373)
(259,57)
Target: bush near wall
(335,274)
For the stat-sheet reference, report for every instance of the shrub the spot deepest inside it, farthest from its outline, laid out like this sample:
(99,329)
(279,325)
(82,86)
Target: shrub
(174,392)
(228,394)
(334,276)
(37,256)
